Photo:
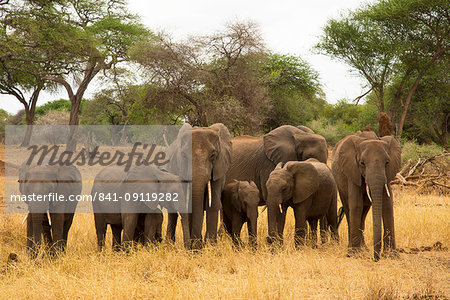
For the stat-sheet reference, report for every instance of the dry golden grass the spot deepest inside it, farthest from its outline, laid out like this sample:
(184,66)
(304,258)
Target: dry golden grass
(221,272)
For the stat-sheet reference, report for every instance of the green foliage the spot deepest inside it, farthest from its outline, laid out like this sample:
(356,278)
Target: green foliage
(294,90)
(333,132)
(343,118)
(56,105)
(412,150)
(4,120)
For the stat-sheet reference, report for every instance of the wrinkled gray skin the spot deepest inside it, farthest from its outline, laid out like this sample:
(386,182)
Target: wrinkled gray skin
(309,188)
(211,158)
(108,181)
(240,201)
(134,183)
(365,160)
(42,180)
(255,157)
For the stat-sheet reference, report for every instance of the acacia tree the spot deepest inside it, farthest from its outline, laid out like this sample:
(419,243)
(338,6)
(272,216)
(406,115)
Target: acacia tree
(363,45)
(294,90)
(422,29)
(79,38)
(411,35)
(209,78)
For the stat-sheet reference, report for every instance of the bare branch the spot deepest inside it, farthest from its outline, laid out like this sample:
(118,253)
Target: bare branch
(357,99)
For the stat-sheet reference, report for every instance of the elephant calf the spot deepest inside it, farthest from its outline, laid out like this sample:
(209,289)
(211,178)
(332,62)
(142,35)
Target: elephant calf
(309,188)
(240,205)
(107,182)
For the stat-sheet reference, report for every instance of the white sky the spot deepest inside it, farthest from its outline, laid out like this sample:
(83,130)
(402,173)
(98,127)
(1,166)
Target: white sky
(287,26)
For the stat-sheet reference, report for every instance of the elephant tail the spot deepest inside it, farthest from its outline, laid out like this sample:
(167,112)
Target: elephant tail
(340,216)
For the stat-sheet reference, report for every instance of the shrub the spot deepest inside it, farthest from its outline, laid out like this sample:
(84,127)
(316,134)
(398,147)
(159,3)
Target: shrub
(333,133)
(412,150)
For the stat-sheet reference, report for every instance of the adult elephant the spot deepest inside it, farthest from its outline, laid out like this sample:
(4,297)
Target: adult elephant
(211,158)
(363,166)
(42,181)
(254,158)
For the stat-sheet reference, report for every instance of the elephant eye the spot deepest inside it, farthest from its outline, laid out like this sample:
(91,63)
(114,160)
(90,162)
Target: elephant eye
(387,162)
(362,163)
(213,156)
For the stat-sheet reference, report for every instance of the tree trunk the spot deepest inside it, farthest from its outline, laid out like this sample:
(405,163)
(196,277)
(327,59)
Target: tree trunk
(30,108)
(29,130)
(74,121)
(414,87)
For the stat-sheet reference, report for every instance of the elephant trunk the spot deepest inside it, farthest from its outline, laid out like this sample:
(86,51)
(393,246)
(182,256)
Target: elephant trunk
(272,214)
(376,190)
(252,227)
(199,187)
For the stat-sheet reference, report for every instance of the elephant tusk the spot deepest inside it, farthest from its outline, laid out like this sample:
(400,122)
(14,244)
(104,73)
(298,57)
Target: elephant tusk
(209,193)
(187,197)
(368,193)
(49,219)
(387,190)
(281,208)
(24,219)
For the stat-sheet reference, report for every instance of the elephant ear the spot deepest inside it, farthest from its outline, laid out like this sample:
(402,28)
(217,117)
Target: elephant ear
(347,159)
(395,152)
(305,180)
(223,161)
(235,201)
(176,147)
(305,129)
(279,144)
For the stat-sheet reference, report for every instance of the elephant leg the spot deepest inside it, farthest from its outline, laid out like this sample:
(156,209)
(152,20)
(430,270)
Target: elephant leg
(68,219)
(236,228)
(365,211)
(149,229)
(323,228)
(300,224)
(388,224)
(129,223)
(37,221)
(172,219)
(212,213)
(116,236)
(355,204)
(100,229)
(47,231)
(186,230)
(281,220)
(158,226)
(331,218)
(227,224)
(57,232)
(30,240)
(313,231)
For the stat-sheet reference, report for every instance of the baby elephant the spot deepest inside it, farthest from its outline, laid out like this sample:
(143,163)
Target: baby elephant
(309,188)
(240,205)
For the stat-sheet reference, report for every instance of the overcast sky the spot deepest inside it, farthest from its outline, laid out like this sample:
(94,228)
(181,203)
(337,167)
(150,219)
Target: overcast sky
(287,26)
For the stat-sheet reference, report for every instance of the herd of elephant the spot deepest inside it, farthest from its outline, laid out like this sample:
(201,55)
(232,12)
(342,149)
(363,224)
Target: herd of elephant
(234,176)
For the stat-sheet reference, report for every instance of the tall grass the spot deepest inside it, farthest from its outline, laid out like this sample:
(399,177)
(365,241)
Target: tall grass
(221,272)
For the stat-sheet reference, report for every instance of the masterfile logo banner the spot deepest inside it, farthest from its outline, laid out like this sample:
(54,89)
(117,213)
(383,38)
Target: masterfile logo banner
(98,168)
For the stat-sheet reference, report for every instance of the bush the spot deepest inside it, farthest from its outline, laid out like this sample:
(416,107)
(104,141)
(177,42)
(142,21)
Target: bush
(54,117)
(333,133)
(412,150)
